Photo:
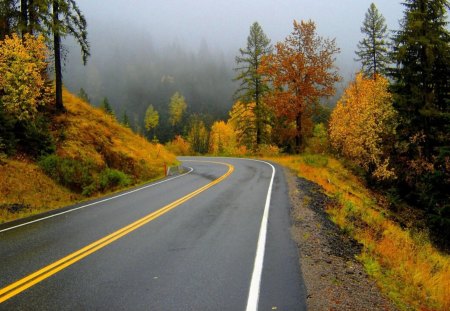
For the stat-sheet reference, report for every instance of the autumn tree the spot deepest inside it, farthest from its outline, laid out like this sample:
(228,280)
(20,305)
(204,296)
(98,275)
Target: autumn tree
(177,108)
(198,135)
(363,124)
(421,87)
(301,71)
(373,48)
(252,85)
(243,120)
(222,139)
(23,85)
(151,119)
(23,91)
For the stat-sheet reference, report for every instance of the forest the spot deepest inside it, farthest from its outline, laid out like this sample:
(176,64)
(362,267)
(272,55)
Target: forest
(390,125)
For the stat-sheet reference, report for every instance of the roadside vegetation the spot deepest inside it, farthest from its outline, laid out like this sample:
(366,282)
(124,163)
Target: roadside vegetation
(400,257)
(93,155)
(381,149)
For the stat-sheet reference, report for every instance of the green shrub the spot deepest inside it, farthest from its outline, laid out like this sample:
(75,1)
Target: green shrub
(315,160)
(318,143)
(71,173)
(110,178)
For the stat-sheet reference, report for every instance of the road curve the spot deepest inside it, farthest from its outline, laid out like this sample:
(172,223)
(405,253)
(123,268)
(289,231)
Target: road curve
(187,243)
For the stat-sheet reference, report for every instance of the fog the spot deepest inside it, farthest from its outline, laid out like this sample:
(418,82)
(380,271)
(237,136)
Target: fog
(145,50)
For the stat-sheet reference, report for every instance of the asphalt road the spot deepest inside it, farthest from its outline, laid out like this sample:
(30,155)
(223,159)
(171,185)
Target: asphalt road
(222,247)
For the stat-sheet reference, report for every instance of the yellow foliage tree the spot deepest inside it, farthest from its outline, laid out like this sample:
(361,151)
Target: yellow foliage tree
(177,108)
(243,120)
(222,139)
(23,76)
(363,123)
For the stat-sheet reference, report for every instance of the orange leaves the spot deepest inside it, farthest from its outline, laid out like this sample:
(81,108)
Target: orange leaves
(363,122)
(23,75)
(301,71)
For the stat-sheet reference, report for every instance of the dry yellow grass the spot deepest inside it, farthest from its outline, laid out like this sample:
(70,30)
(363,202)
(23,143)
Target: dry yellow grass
(86,134)
(90,134)
(24,183)
(406,266)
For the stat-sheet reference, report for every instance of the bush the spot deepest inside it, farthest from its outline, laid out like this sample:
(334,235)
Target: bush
(110,178)
(268,150)
(36,139)
(315,160)
(73,174)
(179,146)
(318,143)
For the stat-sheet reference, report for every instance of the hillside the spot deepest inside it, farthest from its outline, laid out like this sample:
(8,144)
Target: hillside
(94,155)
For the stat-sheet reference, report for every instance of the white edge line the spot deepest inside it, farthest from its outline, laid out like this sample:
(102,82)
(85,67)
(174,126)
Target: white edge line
(253,295)
(97,202)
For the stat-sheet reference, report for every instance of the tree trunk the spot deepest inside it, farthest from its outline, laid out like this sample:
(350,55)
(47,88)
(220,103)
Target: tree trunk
(23,17)
(257,107)
(31,16)
(57,53)
(298,135)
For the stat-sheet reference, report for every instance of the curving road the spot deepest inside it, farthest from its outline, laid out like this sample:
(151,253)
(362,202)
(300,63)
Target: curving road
(216,238)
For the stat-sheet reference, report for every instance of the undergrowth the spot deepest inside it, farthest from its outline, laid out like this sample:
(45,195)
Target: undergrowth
(408,269)
(94,155)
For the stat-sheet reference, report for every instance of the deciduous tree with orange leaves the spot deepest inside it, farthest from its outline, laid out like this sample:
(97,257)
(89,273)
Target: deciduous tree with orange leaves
(362,126)
(301,71)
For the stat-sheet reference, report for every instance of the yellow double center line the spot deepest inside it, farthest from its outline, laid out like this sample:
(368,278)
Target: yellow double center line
(44,273)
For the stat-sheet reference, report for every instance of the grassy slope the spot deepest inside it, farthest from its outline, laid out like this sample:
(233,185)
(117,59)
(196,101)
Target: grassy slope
(82,133)
(404,263)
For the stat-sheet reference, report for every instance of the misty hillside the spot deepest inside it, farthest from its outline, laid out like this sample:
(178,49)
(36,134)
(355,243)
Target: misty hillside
(134,73)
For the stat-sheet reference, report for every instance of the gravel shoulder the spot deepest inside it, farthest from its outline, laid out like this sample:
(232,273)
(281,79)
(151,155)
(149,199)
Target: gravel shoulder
(334,279)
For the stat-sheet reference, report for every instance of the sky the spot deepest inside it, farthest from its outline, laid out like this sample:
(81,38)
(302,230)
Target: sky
(224,25)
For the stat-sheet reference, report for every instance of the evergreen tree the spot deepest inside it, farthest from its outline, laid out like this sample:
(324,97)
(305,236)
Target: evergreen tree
(66,19)
(106,107)
(373,48)
(422,97)
(84,96)
(125,119)
(252,87)
(8,17)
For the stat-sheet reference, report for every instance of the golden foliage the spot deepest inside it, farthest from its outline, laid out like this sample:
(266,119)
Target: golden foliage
(222,139)
(362,122)
(179,146)
(243,120)
(151,119)
(23,75)
(406,266)
(177,107)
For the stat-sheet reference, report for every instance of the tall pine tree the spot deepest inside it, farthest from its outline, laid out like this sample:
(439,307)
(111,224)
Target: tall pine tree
(422,97)
(373,48)
(252,87)
(9,16)
(66,20)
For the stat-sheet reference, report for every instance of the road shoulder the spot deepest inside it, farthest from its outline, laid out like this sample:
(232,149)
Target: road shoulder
(334,279)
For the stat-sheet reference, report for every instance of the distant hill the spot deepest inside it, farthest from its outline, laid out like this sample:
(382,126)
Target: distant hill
(94,155)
